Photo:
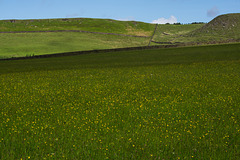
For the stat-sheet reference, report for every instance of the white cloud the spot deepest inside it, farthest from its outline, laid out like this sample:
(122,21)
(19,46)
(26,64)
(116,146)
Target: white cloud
(212,12)
(170,20)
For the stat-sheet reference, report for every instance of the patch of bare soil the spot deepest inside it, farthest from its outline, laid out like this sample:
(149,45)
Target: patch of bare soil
(132,31)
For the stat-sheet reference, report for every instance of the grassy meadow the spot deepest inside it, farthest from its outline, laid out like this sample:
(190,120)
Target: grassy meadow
(178,103)
(172,33)
(29,44)
(222,28)
(84,24)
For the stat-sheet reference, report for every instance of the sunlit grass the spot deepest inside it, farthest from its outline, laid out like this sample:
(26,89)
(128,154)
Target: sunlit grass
(83,24)
(173,33)
(29,44)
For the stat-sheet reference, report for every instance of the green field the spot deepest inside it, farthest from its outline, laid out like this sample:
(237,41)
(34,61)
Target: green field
(172,33)
(179,103)
(222,29)
(83,24)
(29,44)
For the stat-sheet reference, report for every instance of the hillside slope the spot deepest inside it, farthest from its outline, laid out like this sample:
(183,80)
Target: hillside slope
(27,41)
(223,27)
(224,24)
(83,24)
(169,32)
(29,44)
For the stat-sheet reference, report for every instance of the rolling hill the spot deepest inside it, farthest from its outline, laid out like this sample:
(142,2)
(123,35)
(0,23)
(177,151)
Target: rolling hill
(29,44)
(227,25)
(170,33)
(20,38)
(79,24)
(222,28)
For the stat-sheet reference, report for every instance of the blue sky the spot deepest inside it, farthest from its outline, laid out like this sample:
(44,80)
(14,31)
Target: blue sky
(159,11)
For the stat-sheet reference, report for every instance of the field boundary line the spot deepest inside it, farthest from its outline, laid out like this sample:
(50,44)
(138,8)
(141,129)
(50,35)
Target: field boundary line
(153,35)
(167,42)
(75,31)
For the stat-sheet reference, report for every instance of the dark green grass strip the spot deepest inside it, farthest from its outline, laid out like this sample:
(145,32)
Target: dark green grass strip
(131,58)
